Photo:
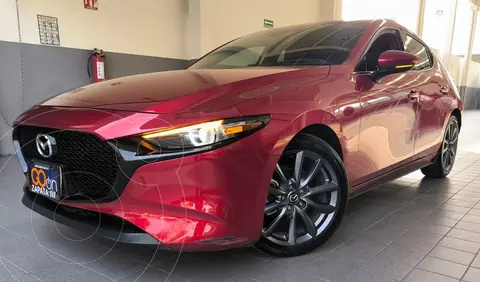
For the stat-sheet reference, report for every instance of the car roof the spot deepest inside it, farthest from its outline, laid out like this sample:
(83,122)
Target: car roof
(293,29)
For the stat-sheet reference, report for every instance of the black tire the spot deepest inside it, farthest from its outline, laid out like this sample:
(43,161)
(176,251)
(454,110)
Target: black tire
(306,142)
(439,168)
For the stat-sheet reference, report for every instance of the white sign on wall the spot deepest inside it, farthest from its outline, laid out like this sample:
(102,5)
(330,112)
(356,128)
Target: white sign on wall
(48,30)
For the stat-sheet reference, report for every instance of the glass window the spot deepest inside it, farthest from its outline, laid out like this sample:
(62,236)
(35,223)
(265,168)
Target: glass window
(413,46)
(457,59)
(438,26)
(476,42)
(471,93)
(463,28)
(305,45)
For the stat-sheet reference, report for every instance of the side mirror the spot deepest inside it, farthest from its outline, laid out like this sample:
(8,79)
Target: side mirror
(393,61)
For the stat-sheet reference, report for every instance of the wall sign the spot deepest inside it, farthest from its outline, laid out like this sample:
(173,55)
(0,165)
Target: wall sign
(267,23)
(90,4)
(48,30)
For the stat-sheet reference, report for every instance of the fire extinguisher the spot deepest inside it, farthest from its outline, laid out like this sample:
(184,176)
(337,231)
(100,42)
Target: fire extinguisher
(97,59)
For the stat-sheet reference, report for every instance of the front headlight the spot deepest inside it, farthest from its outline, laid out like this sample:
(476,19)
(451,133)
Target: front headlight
(196,137)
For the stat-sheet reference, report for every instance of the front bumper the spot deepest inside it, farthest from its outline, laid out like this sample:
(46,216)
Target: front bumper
(209,201)
(109,227)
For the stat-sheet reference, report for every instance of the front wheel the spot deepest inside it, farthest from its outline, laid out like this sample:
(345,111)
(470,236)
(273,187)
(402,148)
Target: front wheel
(306,199)
(445,158)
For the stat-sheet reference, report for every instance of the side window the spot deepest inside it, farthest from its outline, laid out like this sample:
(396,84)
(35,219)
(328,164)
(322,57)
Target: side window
(388,40)
(413,46)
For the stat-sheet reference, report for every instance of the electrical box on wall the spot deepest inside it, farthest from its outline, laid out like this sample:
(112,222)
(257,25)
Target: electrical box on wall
(90,4)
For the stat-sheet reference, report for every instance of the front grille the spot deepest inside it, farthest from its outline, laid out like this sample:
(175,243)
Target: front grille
(89,164)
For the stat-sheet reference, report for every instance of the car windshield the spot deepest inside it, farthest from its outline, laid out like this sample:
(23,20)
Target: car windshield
(304,45)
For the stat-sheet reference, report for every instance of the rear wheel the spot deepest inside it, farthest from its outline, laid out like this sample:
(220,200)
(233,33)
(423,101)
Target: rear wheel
(306,199)
(445,158)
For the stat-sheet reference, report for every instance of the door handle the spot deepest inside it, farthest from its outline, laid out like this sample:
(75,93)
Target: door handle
(444,90)
(413,96)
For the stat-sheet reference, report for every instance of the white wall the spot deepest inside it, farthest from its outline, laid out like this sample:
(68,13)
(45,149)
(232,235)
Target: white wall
(8,21)
(162,28)
(224,20)
(143,27)
(330,10)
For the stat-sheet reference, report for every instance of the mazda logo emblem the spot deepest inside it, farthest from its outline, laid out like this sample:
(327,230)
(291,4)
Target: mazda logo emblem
(293,198)
(46,145)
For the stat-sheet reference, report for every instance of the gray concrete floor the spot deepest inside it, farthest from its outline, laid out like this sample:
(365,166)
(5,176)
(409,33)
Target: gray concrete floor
(412,229)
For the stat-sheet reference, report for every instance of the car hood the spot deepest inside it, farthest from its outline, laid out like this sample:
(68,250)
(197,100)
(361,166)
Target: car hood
(176,91)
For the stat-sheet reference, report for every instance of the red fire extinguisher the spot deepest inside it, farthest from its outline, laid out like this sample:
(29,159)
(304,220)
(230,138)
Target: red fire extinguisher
(97,59)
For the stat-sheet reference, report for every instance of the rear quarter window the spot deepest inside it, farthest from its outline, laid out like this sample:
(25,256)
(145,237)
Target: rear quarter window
(417,48)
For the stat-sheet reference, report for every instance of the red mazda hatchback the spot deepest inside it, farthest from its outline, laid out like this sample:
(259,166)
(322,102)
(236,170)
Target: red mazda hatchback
(262,141)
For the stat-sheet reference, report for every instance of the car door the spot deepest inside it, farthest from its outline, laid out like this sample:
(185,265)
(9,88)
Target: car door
(433,100)
(388,120)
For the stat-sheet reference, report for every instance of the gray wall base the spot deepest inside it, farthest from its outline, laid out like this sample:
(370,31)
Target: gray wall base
(49,70)
(470,97)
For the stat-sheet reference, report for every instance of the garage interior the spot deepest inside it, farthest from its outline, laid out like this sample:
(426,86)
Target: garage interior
(411,229)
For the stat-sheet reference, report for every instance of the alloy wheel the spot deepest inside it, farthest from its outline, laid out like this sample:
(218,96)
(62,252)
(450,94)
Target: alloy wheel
(302,199)
(449,146)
